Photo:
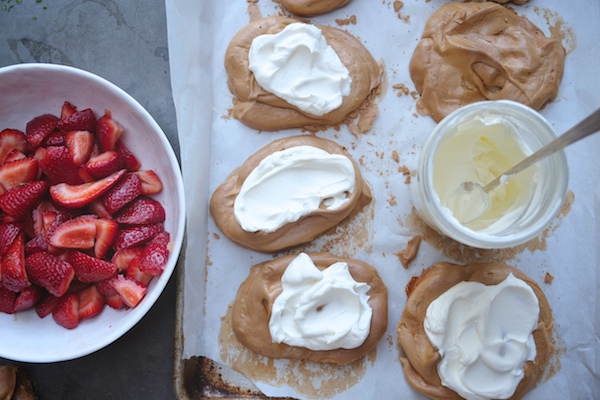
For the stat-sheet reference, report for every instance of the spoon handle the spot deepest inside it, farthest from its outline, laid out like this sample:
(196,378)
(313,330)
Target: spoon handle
(585,128)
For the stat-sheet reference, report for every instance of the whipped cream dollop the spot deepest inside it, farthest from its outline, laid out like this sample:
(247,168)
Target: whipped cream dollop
(297,65)
(484,335)
(292,183)
(481,149)
(320,310)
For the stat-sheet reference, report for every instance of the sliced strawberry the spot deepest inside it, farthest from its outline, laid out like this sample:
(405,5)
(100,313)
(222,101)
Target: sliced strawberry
(59,167)
(17,172)
(67,110)
(7,300)
(133,271)
(14,276)
(80,145)
(45,305)
(38,243)
(56,138)
(11,139)
(104,164)
(21,199)
(91,269)
(122,193)
(151,183)
(83,120)
(137,235)
(106,233)
(142,211)
(123,257)
(8,234)
(129,289)
(129,160)
(39,127)
(112,298)
(91,302)
(28,298)
(77,233)
(97,207)
(49,272)
(154,258)
(73,196)
(66,311)
(108,132)
(15,155)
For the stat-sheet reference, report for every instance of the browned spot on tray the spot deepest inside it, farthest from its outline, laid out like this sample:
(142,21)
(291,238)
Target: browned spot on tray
(346,21)
(410,251)
(404,170)
(392,201)
(466,254)
(548,278)
(558,28)
(401,88)
(395,156)
(311,379)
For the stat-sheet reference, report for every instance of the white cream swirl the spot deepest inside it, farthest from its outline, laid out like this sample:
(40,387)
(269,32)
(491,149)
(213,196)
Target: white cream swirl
(297,65)
(320,310)
(290,184)
(484,335)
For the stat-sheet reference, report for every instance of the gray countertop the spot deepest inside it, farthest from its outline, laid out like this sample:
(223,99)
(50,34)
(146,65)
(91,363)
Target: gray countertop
(125,43)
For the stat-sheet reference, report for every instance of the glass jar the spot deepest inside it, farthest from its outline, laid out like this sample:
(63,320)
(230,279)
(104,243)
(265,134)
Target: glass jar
(544,197)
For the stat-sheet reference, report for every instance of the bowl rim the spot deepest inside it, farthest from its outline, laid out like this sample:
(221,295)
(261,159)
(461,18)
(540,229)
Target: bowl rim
(137,313)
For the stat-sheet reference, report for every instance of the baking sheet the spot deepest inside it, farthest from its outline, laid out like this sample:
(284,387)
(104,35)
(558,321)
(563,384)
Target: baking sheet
(213,144)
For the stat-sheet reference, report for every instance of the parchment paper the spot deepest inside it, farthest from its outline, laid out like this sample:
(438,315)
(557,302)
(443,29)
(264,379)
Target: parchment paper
(213,144)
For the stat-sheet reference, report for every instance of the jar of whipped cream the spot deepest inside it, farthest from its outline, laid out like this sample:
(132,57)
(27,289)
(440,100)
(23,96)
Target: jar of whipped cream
(477,143)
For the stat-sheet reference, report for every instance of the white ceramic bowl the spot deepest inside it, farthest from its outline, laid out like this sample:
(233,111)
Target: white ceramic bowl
(28,90)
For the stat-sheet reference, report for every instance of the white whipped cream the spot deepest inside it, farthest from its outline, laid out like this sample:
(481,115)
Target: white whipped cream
(320,310)
(299,66)
(290,184)
(484,335)
(480,150)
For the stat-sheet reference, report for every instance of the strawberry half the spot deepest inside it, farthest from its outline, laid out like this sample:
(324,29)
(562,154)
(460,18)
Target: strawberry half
(122,193)
(49,272)
(123,257)
(80,145)
(91,269)
(136,235)
(77,233)
(142,211)
(108,132)
(17,172)
(106,233)
(28,298)
(67,110)
(151,183)
(74,196)
(91,302)
(133,271)
(11,139)
(14,276)
(129,160)
(83,120)
(7,300)
(39,127)
(66,311)
(130,290)
(15,155)
(8,234)
(21,199)
(104,164)
(59,167)
(45,305)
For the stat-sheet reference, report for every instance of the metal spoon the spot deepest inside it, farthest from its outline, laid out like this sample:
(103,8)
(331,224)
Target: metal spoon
(474,190)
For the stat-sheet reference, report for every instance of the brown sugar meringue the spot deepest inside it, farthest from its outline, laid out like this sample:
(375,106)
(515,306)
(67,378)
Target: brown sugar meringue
(471,52)
(310,8)
(420,360)
(308,226)
(265,111)
(255,298)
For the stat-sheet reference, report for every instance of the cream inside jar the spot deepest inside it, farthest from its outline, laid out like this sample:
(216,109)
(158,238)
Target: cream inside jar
(478,151)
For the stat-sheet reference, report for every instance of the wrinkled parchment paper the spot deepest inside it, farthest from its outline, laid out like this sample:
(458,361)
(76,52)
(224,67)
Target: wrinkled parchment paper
(213,144)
